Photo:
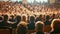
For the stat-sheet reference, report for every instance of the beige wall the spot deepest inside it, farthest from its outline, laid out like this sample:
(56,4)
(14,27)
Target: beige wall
(52,1)
(3,0)
(24,2)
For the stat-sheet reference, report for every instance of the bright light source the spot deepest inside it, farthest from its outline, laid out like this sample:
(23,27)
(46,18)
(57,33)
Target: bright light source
(38,0)
(30,1)
(42,1)
(45,0)
(19,0)
(13,0)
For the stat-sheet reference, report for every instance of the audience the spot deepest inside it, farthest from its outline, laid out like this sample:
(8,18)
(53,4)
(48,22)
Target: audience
(28,17)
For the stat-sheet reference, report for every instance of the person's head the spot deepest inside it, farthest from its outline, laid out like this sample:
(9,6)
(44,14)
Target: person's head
(32,18)
(5,17)
(22,27)
(47,17)
(24,17)
(22,23)
(39,25)
(18,18)
(55,25)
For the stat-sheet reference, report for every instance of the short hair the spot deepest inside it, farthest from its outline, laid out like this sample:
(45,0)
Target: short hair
(22,27)
(24,17)
(32,18)
(54,23)
(18,18)
(22,23)
(39,25)
(5,17)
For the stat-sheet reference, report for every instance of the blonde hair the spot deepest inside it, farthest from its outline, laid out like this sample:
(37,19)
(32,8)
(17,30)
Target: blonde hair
(39,23)
(22,23)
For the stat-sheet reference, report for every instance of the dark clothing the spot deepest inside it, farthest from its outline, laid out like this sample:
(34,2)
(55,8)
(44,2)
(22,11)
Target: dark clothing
(47,22)
(1,23)
(5,23)
(56,31)
(39,32)
(31,26)
(17,20)
(22,30)
(53,32)
(13,20)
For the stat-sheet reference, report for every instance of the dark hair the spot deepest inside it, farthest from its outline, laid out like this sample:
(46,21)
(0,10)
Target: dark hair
(47,17)
(5,17)
(1,18)
(32,18)
(18,18)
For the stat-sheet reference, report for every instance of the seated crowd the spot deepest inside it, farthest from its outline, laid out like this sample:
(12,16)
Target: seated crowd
(29,18)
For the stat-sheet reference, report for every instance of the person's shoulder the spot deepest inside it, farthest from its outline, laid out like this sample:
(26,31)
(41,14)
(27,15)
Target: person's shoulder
(52,32)
(39,32)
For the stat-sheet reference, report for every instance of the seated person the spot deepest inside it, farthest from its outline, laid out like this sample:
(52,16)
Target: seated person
(55,26)
(47,21)
(12,21)
(22,28)
(5,20)
(39,27)
(31,25)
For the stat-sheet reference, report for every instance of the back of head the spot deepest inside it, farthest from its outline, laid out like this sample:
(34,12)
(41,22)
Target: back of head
(6,17)
(39,25)
(56,25)
(47,17)
(24,17)
(22,23)
(18,18)
(22,28)
(32,18)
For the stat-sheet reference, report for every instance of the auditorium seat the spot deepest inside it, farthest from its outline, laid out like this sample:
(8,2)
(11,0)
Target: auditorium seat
(4,31)
(14,31)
